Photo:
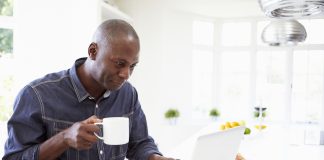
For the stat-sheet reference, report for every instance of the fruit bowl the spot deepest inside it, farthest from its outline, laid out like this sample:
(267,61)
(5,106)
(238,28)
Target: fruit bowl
(228,125)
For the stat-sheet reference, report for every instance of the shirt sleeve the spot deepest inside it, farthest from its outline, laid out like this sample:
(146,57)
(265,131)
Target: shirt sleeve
(141,145)
(25,127)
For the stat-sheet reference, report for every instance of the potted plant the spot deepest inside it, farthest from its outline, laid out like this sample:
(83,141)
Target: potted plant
(172,114)
(214,113)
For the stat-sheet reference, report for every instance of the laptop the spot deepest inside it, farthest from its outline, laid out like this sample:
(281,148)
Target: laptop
(222,145)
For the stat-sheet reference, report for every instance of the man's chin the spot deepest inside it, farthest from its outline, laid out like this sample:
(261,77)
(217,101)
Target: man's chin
(115,88)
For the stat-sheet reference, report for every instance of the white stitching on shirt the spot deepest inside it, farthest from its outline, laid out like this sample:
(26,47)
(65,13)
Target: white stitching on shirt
(38,95)
(40,100)
(50,81)
(57,120)
(75,89)
(128,114)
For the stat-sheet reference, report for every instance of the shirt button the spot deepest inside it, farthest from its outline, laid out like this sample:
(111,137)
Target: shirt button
(101,152)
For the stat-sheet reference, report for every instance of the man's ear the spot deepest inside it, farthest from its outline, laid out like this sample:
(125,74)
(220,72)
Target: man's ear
(92,51)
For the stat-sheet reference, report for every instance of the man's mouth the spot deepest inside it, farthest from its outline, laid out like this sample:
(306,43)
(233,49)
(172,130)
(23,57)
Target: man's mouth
(119,83)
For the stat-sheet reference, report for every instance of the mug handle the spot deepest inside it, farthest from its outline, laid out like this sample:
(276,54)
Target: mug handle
(100,123)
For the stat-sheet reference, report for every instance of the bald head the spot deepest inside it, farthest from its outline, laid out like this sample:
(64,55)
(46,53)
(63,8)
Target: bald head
(113,55)
(112,30)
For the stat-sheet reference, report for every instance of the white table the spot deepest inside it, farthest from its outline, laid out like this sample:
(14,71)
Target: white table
(277,146)
(274,143)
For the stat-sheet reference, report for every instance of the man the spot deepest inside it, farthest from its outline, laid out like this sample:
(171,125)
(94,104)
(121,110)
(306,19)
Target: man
(54,116)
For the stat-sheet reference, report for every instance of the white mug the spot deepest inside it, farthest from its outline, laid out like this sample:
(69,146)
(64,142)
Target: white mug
(115,130)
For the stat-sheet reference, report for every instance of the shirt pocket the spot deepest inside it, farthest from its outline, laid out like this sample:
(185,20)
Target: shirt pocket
(71,153)
(59,126)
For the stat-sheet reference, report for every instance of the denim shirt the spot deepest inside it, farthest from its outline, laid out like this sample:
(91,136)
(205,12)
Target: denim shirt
(53,103)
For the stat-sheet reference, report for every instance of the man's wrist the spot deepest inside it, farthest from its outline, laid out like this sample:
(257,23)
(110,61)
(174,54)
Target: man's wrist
(158,157)
(62,136)
(53,147)
(154,157)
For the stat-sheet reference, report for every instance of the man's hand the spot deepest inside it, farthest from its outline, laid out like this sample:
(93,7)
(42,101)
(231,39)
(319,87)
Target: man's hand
(158,157)
(81,134)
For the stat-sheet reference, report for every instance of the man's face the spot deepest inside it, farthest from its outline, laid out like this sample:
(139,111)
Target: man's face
(115,62)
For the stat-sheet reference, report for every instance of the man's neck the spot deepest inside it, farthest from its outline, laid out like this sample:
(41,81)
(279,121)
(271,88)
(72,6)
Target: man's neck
(90,85)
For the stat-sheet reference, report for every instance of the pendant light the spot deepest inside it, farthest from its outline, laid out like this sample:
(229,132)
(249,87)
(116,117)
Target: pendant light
(281,32)
(292,8)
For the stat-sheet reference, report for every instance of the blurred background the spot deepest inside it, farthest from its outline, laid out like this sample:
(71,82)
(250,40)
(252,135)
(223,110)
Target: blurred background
(195,56)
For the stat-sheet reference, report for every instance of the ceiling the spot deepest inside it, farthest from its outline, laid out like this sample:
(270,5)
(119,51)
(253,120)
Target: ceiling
(219,8)
(209,8)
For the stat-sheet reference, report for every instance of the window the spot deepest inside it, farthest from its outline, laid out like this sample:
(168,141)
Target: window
(6,32)
(271,81)
(203,33)
(235,81)
(6,40)
(6,7)
(202,80)
(6,88)
(245,72)
(313,26)
(202,60)
(307,95)
(236,34)
(6,59)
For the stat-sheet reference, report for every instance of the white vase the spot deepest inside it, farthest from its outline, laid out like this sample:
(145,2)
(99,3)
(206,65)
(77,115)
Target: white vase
(172,121)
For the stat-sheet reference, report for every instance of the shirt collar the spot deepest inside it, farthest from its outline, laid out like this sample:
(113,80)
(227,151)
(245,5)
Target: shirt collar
(106,94)
(77,85)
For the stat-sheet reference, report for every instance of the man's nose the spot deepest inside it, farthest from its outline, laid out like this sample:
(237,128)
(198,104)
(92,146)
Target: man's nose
(125,73)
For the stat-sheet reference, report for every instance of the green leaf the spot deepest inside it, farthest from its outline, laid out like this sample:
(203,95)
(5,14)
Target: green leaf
(171,113)
(214,112)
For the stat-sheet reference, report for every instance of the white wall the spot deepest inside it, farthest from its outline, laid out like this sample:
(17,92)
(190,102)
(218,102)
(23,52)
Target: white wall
(50,35)
(163,76)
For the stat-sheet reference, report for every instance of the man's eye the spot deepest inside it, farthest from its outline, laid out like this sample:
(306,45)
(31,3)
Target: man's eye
(133,66)
(119,63)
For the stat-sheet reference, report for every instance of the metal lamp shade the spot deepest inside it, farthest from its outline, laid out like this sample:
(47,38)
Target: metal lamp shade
(284,33)
(291,8)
